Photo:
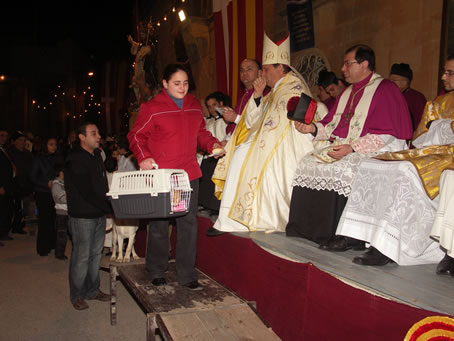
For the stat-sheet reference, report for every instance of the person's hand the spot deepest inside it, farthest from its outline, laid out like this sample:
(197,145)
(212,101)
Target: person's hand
(147,164)
(218,146)
(340,151)
(304,128)
(2,191)
(49,184)
(259,86)
(229,115)
(131,41)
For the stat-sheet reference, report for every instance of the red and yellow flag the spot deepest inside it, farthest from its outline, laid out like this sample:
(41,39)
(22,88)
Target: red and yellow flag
(238,27)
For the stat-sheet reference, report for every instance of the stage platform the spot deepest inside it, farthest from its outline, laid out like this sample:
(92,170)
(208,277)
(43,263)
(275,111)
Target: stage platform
(305,293)
(417,286)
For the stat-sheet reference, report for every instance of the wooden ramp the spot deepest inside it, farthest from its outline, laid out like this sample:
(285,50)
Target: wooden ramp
(177,313)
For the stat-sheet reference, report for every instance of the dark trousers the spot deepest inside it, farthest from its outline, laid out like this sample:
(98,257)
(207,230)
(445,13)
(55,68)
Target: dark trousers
(87,237)
(206,187)
(46,222)
(186,248)
(6,214)
(61,225)
(18,220)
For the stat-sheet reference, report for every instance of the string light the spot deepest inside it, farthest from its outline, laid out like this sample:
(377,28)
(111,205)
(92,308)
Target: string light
(182,15)
(62,95)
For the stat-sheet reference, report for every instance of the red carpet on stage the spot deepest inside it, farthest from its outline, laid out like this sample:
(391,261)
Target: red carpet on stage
(299,301)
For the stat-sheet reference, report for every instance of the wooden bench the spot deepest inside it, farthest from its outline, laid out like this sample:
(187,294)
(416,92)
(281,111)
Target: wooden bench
(177,313)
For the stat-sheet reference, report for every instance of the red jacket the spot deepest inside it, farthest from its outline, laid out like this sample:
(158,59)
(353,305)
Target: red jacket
(170,135)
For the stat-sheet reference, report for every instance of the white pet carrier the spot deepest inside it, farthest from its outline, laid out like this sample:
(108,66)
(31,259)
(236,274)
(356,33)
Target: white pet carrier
(157,193)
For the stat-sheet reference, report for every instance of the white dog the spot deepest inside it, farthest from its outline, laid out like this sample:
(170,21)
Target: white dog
(122,229)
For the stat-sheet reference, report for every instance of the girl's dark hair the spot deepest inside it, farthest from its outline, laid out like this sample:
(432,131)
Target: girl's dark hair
(46,141)
(171,69)
(59,167)
(123,143)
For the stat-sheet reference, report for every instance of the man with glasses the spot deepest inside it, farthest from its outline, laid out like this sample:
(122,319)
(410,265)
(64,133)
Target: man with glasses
(397,216)
(369,117)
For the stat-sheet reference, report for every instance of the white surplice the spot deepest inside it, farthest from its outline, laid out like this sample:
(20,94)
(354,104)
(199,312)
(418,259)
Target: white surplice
(443,227)
(389,208)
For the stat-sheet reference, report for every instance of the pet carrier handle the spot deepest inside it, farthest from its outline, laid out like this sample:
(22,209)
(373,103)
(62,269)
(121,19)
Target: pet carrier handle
(155,166)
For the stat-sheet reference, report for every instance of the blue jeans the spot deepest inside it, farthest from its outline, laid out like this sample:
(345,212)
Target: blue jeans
(87,241)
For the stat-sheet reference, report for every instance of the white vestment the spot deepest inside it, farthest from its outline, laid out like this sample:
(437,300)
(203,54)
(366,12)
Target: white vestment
(389,208)
(443,227)
(268,208)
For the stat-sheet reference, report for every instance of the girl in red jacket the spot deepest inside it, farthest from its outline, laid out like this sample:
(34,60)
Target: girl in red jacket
(166,133)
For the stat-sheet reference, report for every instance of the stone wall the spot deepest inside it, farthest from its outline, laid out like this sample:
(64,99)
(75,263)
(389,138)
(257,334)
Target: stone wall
(406,31)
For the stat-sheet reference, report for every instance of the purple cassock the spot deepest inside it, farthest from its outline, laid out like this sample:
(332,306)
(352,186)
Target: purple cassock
(388,112)
(416,102)
(329,102)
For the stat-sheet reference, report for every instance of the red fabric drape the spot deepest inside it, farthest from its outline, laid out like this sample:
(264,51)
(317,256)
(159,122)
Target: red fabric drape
(299,301)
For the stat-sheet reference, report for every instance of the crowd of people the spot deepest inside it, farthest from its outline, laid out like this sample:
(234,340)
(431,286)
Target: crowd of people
(276,162)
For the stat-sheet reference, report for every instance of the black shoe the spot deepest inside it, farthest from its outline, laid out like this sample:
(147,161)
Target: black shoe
(212,232)
(19,232)
(6,238)
(157,282)
(340,244)
(446,266)
(43,254)
(61,257)
(372,257)
(194,285)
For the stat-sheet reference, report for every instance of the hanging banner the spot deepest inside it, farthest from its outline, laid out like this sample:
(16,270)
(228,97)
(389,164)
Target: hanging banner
(300,24)
(238,28)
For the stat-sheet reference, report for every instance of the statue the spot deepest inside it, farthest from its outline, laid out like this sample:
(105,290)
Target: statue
(144,78)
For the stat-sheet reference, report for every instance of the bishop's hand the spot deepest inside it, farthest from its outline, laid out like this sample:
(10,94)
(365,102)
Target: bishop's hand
(259,86)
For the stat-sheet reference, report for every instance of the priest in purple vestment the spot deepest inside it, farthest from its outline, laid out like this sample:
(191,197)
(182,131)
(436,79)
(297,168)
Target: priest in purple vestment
(369,117)
(402,75)
(250,70)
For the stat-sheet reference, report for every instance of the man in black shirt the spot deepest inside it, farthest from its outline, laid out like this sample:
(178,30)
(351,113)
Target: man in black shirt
(86,187)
